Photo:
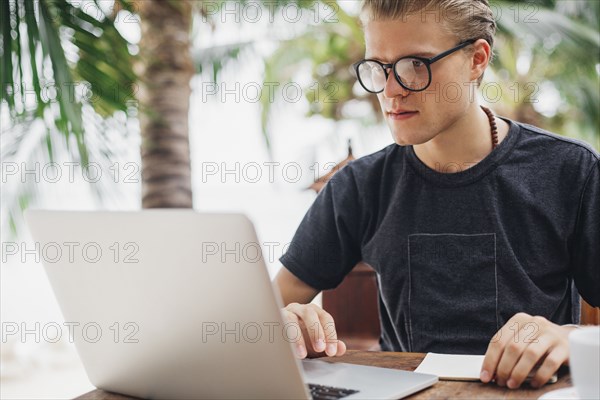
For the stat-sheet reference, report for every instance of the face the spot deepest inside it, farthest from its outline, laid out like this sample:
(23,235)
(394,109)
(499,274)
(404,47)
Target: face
(445,101)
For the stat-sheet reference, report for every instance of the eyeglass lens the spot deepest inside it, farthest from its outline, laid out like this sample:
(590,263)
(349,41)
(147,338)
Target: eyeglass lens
(413,74)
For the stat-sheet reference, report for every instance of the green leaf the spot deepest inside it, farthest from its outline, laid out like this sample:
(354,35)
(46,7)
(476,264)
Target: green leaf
(33,37)
(6,78)
(70,110)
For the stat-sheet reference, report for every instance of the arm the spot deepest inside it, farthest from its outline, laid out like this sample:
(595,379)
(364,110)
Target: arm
(325,247)
(292,289)
(585,243)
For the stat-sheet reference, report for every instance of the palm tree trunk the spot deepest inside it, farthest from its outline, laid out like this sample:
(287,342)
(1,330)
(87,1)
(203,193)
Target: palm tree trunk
(164,103)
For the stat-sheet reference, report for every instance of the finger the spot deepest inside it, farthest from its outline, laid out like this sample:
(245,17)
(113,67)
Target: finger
(494,352)
(532,354)
(510,357)
(329,331)
(311,320)
(496,347)
(551,364)
(300,344)
(341,348)
(492,356)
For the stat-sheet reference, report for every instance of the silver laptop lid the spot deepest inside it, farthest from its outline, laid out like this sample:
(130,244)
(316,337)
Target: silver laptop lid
(161,303)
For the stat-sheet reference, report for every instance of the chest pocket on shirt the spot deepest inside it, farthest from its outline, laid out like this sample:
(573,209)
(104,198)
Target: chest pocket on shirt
(453,295)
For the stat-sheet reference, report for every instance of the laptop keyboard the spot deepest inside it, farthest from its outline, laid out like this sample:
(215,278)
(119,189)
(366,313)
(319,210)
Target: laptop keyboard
(321,392)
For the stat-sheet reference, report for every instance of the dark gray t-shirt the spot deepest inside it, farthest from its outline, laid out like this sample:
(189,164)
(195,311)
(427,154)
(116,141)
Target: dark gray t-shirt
(458,254)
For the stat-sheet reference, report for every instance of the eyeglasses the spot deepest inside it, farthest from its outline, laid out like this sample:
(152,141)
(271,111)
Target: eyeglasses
(412,73)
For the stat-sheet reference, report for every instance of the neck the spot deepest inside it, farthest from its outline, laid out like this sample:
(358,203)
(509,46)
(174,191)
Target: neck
(461,145)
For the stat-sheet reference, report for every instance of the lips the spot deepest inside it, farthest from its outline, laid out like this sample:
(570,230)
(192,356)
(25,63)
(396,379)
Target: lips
(401,111)
(401,114)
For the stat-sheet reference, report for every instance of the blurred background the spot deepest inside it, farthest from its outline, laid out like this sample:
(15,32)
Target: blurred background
(219,106)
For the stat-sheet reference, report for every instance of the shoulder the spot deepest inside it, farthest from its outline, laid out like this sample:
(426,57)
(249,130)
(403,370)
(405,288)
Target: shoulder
(557,146)
(553,155)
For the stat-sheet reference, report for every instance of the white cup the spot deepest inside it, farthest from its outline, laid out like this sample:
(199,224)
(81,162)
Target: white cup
(584,361)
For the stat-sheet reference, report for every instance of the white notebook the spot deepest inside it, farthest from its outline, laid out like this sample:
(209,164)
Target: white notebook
(455,367)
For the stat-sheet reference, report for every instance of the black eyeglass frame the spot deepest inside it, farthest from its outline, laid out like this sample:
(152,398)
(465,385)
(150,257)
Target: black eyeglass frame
(426,61)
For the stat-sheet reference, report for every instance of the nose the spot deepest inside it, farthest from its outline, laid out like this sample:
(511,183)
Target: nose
(393,88)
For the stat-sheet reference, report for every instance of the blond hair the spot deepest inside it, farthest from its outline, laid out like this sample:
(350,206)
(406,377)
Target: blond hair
(465,19)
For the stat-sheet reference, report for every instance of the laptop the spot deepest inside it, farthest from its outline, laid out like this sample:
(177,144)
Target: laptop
(179,304)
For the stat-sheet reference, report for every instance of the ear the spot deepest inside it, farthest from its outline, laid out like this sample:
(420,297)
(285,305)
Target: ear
(480,58)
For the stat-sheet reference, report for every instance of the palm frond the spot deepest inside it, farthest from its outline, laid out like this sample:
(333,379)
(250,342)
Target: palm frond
(330,49)
(215,58)
(103,62)
(54,45)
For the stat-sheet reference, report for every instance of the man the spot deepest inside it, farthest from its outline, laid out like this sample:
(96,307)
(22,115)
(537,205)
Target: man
(477,226)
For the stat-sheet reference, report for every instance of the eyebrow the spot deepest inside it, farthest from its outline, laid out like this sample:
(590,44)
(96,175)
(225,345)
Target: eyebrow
(426,54)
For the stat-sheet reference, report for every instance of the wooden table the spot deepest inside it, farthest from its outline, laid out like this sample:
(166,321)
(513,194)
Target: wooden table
(408,362)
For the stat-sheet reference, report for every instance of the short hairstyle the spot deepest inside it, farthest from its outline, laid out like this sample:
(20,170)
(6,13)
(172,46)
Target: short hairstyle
(465,19)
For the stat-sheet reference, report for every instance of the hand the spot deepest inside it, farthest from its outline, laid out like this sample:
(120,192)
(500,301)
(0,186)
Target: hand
(317,328)
(521,344)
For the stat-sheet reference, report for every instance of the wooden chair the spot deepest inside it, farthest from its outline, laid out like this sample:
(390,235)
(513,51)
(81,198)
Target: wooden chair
(589,315)
(353,306)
